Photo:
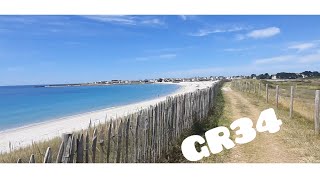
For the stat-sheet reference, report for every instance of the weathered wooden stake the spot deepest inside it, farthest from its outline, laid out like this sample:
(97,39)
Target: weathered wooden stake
(87,148)
(32,159)
(127,141)
(101,144)
(109,141)
(119,143)
(48,156)
(267,93)
(259,91)
(60,153)
(80,149)
(67,140)
(277,96)
(316,112)
(136,144)
(94,146)
(291,101)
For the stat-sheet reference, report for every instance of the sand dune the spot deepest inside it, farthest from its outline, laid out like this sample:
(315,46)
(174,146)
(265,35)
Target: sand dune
(23,136)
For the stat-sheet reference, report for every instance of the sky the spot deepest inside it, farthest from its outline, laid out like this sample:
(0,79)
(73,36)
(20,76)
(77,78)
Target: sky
(74,49)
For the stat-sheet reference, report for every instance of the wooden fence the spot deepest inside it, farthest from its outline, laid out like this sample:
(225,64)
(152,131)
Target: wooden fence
(143,137)
(249,87)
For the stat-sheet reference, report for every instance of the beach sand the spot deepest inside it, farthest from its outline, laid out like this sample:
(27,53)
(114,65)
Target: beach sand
(23,136)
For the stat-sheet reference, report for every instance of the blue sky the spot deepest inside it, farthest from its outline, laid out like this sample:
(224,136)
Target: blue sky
(70,49)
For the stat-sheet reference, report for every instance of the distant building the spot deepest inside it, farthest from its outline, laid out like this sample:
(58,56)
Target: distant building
(273,76)
(115,81)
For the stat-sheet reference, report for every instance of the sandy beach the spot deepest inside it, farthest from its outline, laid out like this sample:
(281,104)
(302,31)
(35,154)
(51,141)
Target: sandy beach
(23,136)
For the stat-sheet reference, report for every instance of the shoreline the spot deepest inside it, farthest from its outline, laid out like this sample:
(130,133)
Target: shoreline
(25,135)
(79,114)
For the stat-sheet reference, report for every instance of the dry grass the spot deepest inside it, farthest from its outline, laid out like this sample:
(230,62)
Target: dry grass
(38,149)
(296,142)
(297,134)
(304,94)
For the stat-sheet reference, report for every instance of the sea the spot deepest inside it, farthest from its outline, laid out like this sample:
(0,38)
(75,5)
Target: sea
(24,105)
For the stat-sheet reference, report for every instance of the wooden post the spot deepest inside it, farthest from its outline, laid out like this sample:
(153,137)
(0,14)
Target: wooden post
(48,156)
(60,153)
(101,144)
(136,146)
(259,92)
(87,147)
(122,156)
(277,96)
(267,93)
(32,159)
(80,149)
(119,143)
(109,141)
(291,101)
(316,112)
(73,148)
(94,146)
(67,140)
(127,141)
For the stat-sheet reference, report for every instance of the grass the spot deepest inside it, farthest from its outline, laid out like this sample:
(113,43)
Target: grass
(38,149)
(216,118)
(304,94)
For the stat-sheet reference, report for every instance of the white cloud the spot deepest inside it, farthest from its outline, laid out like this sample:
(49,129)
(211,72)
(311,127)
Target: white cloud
(168,50)
(302,46)
(264,33)
(311,58)
(236,49)
(167,56)
(190,17)
(153,21)
(292,59)
(208,31)
(128,20)
(277,59)
(156,57)
(260,33)
(196,72)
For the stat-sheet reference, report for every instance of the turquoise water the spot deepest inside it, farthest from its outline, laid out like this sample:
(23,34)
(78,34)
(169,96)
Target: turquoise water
(23,105)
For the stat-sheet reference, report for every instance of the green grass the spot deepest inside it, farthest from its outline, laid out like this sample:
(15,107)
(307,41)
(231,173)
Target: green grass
(217,117)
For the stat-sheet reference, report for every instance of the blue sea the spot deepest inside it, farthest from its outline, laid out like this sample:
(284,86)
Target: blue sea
(23,105)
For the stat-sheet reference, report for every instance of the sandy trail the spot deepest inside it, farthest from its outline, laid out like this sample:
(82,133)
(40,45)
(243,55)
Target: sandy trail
(265,147)
(23,136)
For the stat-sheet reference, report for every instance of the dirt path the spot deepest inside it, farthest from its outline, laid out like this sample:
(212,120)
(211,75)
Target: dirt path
(265,147)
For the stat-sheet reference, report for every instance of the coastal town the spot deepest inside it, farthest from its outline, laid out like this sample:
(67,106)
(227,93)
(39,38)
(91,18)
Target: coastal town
(145,81)
(276,76)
